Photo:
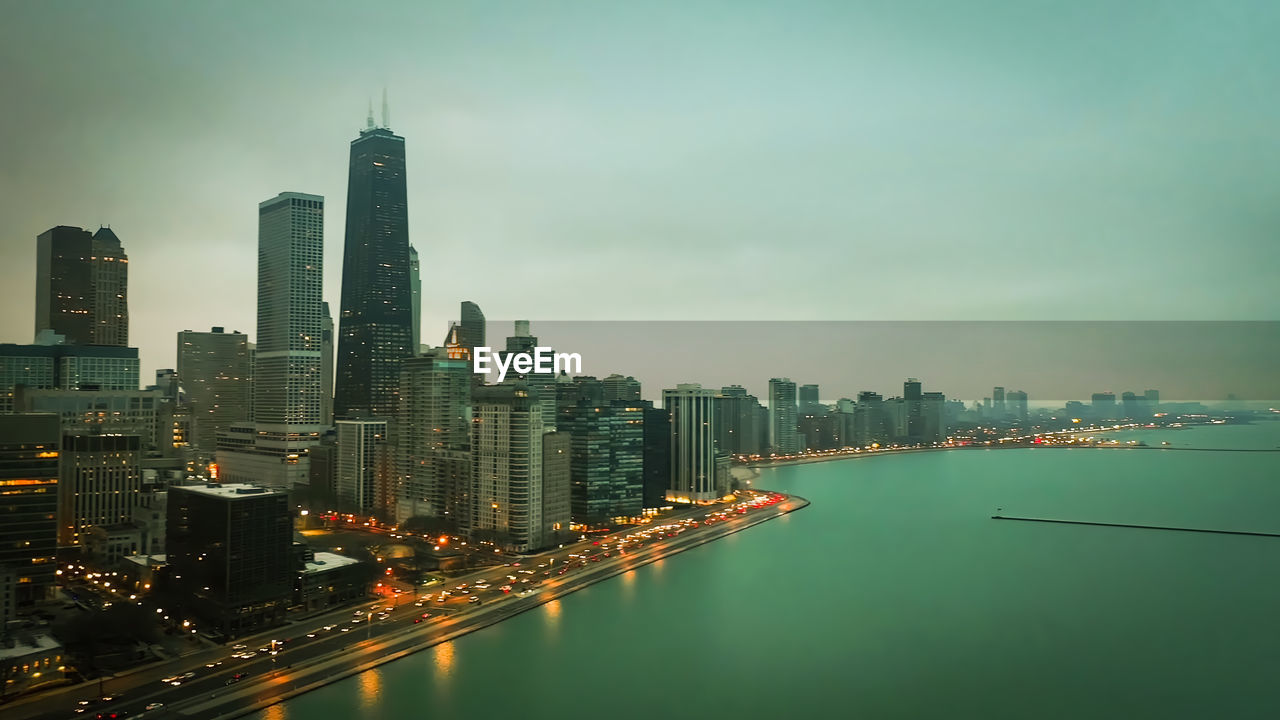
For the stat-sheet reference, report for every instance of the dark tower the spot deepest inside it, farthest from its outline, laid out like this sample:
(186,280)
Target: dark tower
(64,283)
(375,328)
(472,325)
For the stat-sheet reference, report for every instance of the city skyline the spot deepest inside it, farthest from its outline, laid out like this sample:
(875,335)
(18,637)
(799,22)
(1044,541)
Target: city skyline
(1084,196)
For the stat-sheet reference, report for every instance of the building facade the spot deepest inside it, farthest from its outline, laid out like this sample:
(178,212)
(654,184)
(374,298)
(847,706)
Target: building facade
(784,437)
(506,449)
(99,483)
(30,445)
(213,368)
(693,444)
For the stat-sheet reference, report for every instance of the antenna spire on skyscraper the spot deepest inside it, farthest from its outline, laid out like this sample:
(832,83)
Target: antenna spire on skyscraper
(370,121)
(386,114)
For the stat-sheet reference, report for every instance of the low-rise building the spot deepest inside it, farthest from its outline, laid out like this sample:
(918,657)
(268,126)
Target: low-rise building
(330,580)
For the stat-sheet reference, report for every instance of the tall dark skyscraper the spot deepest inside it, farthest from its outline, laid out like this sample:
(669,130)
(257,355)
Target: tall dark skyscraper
(375,328)
(82,283)
(472,325)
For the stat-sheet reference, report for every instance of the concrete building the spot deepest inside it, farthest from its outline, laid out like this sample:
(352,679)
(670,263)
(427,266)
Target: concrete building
(328,580)
(213,369)
(230,556)
(693,448)
(433,439)
(619,388)
(363,479)
(99,483)
(287,368)
(506,449)
(557,496)
(606,461)
(65,367)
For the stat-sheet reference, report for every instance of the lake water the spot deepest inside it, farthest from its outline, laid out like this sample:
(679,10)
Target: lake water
(894,595)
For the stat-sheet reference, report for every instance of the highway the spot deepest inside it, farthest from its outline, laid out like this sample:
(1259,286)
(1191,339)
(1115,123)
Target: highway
(340,643)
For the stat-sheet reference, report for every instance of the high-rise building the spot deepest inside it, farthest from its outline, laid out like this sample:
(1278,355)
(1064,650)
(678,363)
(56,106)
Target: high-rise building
(657,455)
(415,300)
(809,402)
(287,361)
(326,369)
(607,459)
(784,438)
(1104,406)
(506,449)
(82,285)
(433,439)
(1153,399)
(472,324)
(742,424)
(376,317)
(870,423)
(1017,404)
(99,483)
(29,449)
(620,388)
(145,413)
(694,476)
(363,480)
(230,552)
(933,414)
(913,397)
(998,401)
(109,275)
(213,368)
(65,367)
(556,492)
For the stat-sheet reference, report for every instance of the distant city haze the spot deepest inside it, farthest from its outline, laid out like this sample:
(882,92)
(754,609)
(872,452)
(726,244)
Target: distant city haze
(667,161)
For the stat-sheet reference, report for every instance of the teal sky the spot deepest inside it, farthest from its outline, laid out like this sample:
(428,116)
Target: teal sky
(710,160)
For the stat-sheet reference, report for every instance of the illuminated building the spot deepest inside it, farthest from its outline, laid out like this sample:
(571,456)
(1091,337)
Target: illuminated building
(556,491)
(363,478)
(230,555)
(742,423)
(433,437)
(213,368)
(29,449)
(694,476)
(375,324)
(288,380)
(506,450)
(82,285)
(607,458)
(99,483)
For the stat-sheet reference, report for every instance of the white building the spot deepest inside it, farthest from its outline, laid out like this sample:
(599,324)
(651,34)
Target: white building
(506,448)
(364,467)
(288,377)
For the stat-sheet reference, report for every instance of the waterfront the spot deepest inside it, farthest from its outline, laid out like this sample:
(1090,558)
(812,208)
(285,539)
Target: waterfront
(895,595)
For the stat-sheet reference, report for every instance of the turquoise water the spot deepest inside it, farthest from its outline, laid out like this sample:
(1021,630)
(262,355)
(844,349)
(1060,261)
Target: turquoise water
(895,596)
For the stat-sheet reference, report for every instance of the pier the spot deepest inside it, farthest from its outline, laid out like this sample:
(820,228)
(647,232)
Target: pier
(1132,525)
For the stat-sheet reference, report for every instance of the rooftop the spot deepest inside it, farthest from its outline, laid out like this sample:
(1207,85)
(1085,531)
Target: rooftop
(230,490)
(328,561)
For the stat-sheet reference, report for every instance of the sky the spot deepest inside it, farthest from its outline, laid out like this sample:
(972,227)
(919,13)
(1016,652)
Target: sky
(665,160)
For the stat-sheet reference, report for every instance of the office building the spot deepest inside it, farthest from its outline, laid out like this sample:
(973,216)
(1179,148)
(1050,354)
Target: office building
(327,338)
(144,413)
(506,448)
(29,450)
(99,483)
(82,283)
(742,423)
(1104,406)
(230,554)
(998,401)
(288,357)
(415,301)
(913,396)
(375,324)
(213,368)
(607,460)
(784,437)
(933,413)
(694,476)
(657,455)
(808,399)
(1016,403)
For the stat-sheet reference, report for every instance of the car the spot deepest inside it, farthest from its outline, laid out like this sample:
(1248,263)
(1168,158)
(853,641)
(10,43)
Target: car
(213,664)
(239,647)
(356,621)
(418,604)
(311,635)
(383,616)
(155,706)
(358,613)
(417,620)
(346,629)
(425,615)
(505,588)
(169,679)
(264,649)
(329,627)
(473,600)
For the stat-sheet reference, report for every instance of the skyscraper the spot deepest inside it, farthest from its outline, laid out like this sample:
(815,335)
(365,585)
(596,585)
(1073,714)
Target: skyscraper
(326,369)
(213,368)
(375,327)
(415,299)
(694,476)
(506,446)
(363,466)
(913,400)
(809,404)
(622,388)
(99,482)
(287,373)
(784,437)
(997,401)
(472,322)
(433,439)
(82,286)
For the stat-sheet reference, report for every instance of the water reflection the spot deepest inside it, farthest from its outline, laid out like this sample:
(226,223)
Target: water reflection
(442,655)
(370,688)
(552,610)
(275,712)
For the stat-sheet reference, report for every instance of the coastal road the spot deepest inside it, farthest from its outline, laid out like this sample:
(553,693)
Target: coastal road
(341,643)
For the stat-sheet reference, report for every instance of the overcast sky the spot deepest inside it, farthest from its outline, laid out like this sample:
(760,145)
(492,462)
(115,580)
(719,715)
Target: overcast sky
(709,160)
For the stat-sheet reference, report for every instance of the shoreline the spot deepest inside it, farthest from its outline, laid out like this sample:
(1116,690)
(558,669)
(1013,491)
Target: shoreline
(397,648)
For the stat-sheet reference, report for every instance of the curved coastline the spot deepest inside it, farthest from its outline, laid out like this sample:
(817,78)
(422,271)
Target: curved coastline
(341,665)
